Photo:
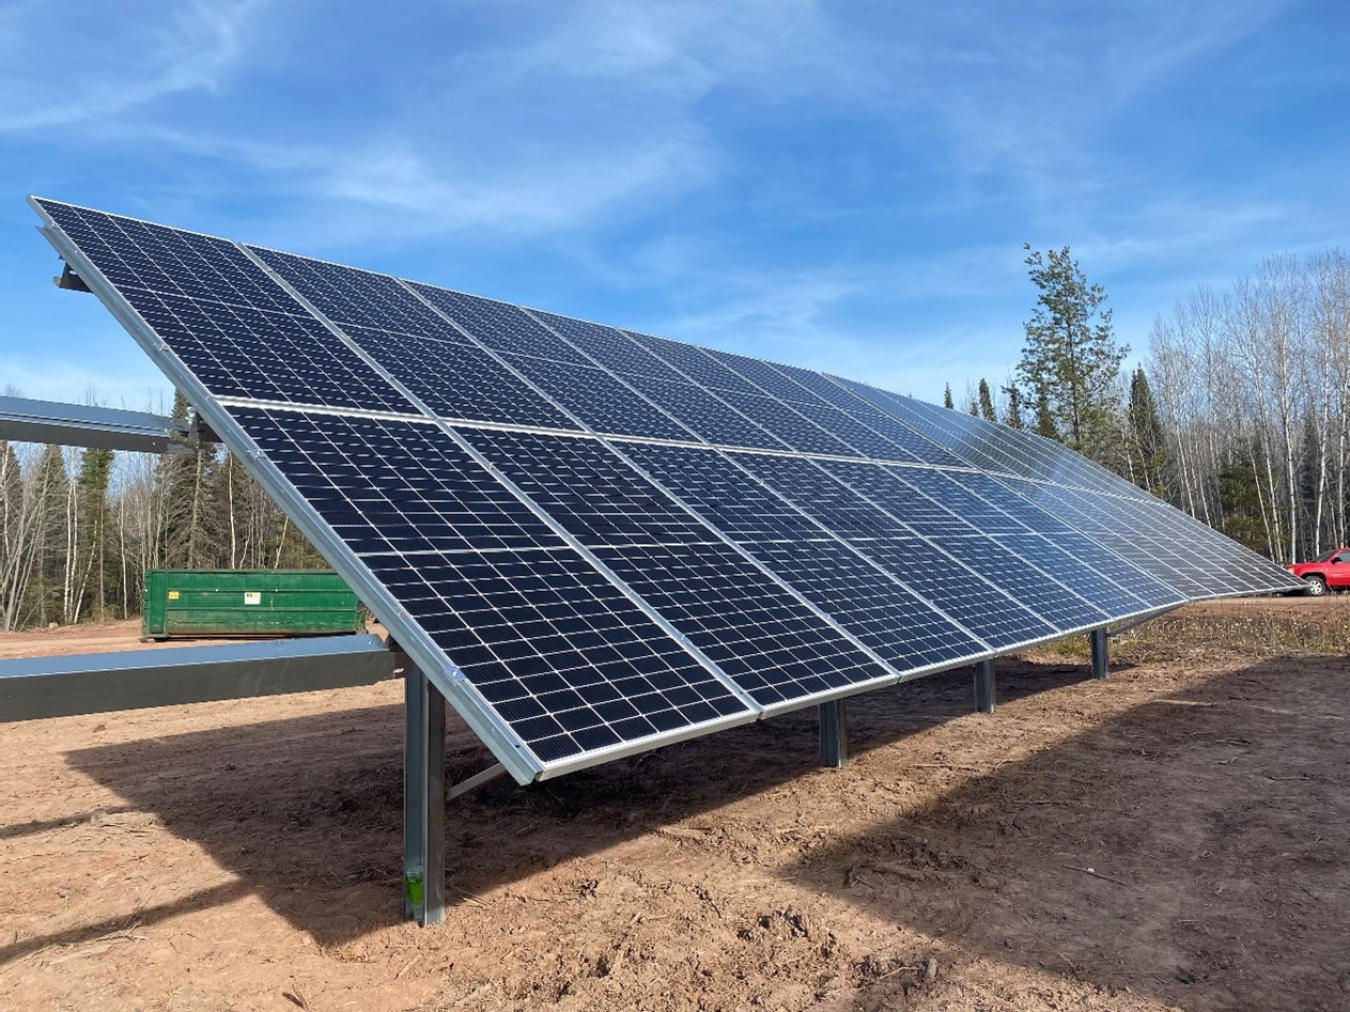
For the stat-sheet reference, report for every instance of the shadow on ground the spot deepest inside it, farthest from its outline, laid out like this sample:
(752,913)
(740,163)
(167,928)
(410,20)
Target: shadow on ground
(307,812)
(1195,848)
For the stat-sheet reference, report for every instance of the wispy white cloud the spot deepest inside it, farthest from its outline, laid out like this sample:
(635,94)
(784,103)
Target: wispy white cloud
(444,194)
(112,60)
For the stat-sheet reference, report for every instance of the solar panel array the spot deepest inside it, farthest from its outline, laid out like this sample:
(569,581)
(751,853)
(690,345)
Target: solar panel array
(597,541)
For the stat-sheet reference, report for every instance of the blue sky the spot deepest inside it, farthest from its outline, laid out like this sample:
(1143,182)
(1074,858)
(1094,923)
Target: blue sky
(844,186)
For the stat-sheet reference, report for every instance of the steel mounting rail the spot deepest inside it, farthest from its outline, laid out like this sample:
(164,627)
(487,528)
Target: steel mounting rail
(32,688)
(28,421)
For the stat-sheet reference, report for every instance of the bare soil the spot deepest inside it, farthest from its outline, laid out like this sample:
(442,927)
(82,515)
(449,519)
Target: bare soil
(1177,837)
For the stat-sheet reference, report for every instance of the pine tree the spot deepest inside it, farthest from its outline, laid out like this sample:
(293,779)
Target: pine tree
(11,498)
(93,562)
(1070,360)
(947,401)
(16,541)
(1045,424)
(986,402)
(1240,500)
(50,489)
(1013,419)
(1309,477)
(188,524)
(1146,433)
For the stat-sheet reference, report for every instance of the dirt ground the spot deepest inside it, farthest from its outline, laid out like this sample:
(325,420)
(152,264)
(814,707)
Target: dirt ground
(1177,837)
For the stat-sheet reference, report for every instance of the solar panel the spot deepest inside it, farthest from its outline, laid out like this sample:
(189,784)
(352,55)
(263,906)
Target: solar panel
(238,331)
(500,326)
(599,399)
(540,635)
(703,412)
(607,347)
(460,381)
(767,638)
(596,541)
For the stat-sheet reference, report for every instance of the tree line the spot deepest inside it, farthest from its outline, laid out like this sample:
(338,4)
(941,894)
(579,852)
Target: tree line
(1237,413)
(79,527)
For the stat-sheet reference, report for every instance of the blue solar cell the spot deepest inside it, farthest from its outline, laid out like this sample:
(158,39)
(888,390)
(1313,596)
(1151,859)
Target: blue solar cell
(1100,519)
(822,387)
(1247,569)
(774,647)
(598,399)
(856,433)
(695,363)
(608,347)
(835,505)
(795,430)
(720,491)
(763,375)
(570,663)
(1091,574)
(394,486)
(590,490)
(500,326)
(906,632)
(714,420)
(1153,593)
(810,558)
(132,253)
(1000,448)
(238,331)
(1001,498)
(459,380)
(861,521)
(238,351)
(1033,588)
(866,410)
(969,599)
(887,488)
(984,504)
(347,295)
(958,451)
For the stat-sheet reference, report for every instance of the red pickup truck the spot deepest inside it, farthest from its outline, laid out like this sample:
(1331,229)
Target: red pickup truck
(1330,572)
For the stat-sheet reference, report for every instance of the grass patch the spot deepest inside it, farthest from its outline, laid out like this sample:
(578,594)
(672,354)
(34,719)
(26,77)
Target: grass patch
(1278,631)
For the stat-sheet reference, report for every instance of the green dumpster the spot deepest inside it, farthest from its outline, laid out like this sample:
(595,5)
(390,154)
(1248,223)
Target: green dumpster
(248,602)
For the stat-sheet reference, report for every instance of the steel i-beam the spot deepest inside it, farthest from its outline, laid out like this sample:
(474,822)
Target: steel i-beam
(423,800)
(833,734)
(984,686)
(1100,664)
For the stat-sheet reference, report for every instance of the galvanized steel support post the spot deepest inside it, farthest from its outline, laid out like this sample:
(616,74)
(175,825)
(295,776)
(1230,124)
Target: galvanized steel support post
(984,686)
(833,734)
(423,800)
(1100,665)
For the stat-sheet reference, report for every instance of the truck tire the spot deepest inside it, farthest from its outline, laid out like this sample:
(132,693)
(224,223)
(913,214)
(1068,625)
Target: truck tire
(1317,585)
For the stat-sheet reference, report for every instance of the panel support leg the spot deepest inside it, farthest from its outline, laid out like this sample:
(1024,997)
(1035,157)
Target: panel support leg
(833,735)
(1100,664)
(984,686)
(423,800)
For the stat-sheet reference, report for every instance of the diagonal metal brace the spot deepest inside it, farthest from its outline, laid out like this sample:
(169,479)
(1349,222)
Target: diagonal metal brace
(474,782)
